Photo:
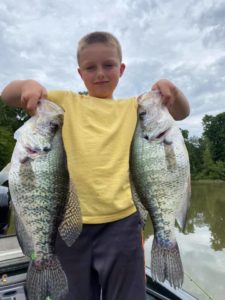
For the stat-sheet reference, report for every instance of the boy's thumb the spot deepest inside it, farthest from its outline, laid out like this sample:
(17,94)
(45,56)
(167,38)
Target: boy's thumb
(29,105)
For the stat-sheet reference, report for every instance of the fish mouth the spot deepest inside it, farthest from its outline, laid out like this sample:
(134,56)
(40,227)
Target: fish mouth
(32,151)
(37,151)
(163,137)
(159,137)
(162,134)
(29,154)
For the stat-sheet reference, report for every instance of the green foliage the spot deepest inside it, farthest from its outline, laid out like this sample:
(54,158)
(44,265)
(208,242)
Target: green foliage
(214,131)
(10,120)
(6,146)
(211,169)
(185,134)
(207,154)
(194,147)
(83,93)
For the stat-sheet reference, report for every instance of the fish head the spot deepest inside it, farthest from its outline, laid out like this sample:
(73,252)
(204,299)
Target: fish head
(35,137)
(154,117)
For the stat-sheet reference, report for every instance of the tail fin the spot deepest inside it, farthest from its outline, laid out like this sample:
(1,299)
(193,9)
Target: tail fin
(46,279)
(166,263)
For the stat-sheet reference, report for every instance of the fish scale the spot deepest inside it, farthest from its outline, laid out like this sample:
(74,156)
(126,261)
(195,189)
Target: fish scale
(44,201)
(161,175)
(155,178)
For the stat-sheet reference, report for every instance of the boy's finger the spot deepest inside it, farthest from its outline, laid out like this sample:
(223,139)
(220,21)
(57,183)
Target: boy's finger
(29,105)
(166,94)
(32,106)
(155,87)
(44,93)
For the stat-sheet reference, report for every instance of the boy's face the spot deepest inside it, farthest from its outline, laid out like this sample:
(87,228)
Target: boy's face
(100,69)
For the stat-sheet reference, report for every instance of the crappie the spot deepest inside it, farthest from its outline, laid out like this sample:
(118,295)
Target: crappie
(161,176)
(44,200)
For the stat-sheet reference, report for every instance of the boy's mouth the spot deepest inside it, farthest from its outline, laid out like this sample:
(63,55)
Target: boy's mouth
(100,82)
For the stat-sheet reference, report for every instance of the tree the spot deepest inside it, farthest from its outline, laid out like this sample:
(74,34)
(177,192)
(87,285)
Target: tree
(214,131)
(10,120)
(194,148)
(6,146)
(210,169)
(195,156)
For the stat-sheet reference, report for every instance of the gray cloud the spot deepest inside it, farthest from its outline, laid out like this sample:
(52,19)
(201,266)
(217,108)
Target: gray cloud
(181,41)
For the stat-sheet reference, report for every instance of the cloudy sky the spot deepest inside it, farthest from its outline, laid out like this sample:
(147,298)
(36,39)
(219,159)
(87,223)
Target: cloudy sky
(183,41)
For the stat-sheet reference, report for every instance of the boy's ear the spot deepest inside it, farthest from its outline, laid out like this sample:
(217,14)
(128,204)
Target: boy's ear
(122,68)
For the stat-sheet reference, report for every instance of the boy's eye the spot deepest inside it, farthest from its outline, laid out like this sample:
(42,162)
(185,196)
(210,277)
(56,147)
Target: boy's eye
(90,68)
(108,65)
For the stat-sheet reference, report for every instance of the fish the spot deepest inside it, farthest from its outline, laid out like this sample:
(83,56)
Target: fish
(160,172)
(44,199)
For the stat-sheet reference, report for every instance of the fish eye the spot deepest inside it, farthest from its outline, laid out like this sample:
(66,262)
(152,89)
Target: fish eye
(141,115)
(54,126)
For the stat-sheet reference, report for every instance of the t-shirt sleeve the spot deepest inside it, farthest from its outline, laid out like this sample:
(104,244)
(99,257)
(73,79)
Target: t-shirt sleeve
(59,96)
(135,103)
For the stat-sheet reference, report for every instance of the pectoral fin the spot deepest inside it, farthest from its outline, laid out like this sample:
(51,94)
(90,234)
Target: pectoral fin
(170,157)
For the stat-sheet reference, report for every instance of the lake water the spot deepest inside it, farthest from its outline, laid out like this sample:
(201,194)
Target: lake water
(202,245)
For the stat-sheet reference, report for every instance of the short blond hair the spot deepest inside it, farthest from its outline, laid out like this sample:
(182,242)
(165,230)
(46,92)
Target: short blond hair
(99,37)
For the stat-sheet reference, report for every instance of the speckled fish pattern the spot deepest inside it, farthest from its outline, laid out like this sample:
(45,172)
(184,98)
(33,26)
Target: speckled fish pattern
(161,174)
(44,201)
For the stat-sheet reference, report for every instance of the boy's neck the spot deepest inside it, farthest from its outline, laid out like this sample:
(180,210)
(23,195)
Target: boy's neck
(106,98)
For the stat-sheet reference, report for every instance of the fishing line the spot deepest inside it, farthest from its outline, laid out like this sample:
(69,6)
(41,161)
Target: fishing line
(204,291)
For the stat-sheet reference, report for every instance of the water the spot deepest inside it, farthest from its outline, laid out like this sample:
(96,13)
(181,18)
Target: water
(202,245)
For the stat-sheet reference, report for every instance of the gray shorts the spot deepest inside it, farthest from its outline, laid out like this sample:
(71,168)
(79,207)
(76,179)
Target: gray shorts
(106,261)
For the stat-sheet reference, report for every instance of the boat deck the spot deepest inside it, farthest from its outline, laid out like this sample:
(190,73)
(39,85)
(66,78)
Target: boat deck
(13,267)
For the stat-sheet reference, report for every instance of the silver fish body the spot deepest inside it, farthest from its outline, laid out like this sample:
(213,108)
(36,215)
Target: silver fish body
(161,175)
(44,201)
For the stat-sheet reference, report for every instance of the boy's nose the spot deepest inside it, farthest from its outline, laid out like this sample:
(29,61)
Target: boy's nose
(100,73)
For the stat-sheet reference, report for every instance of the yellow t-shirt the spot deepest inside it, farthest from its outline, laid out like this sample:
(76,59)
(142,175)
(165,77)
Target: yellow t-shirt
(97,134)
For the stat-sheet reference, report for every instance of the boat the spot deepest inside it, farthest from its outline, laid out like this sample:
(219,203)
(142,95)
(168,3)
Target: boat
(13,268)
(156,290)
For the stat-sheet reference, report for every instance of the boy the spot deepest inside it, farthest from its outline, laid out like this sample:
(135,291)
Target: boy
(108,256)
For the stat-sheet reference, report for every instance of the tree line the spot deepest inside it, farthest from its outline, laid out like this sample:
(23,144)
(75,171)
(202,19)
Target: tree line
(206,153)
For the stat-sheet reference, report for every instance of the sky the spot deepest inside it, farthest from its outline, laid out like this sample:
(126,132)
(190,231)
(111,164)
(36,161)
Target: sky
(182,41)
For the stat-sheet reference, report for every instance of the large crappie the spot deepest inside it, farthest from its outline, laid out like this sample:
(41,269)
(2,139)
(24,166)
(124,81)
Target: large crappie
(161,176)
(44,200)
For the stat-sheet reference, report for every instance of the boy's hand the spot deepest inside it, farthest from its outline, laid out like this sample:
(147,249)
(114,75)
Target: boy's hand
(173,98)
(31,93)
(167,90)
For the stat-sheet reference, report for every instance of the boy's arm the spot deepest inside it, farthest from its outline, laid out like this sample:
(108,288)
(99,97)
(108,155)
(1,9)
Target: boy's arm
(24,94)
(173,98)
